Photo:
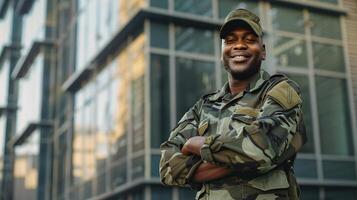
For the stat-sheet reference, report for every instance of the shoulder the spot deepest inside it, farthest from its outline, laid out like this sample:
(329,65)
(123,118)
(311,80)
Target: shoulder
(284,91)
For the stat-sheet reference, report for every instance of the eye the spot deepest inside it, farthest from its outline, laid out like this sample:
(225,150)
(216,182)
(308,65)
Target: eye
(251,39)
(229,39)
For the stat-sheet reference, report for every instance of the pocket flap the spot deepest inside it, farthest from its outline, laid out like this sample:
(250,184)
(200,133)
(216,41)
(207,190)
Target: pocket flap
(275,179)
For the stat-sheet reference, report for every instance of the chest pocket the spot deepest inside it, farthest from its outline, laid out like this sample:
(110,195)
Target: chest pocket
(245,114)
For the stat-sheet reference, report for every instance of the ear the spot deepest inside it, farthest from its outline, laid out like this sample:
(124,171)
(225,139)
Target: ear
(264,53)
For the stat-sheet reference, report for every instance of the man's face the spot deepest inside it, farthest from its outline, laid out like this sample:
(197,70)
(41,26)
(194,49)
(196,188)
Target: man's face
(242,53)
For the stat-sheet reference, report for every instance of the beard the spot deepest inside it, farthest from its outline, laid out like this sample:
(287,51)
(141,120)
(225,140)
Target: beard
(242,74)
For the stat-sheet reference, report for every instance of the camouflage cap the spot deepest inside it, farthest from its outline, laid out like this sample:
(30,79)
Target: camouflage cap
(241,17)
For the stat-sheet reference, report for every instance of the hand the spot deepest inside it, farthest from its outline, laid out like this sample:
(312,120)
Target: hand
(208,172)
(193,145)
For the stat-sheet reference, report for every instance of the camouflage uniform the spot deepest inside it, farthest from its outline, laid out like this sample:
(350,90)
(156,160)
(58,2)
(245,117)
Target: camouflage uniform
(256,132)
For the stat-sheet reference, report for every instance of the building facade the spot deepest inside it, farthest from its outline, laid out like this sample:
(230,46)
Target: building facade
(89,89)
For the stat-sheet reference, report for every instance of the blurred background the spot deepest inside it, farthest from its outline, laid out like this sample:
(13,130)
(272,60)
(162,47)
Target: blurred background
(89,89)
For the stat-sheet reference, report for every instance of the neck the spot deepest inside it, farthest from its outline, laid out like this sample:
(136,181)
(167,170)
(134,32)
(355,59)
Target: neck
(237,86)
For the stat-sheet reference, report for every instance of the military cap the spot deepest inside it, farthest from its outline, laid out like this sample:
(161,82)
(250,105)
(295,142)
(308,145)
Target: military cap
(241,17)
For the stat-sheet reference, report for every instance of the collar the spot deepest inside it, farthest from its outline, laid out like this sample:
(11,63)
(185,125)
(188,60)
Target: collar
(257,81)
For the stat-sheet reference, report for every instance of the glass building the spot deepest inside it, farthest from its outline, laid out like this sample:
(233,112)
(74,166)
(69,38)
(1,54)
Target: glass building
(89,89)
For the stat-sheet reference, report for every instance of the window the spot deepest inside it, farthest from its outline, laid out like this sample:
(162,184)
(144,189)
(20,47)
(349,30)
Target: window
(160,99)
(289,52)
(159,35)
(198,7)
(194,79)
(287,19)
(225,6)
(193,40)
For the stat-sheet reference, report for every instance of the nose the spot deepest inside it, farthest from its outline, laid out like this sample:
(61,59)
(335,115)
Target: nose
(239,45)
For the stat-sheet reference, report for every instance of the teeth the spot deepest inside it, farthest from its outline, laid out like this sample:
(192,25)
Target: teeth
(239,58)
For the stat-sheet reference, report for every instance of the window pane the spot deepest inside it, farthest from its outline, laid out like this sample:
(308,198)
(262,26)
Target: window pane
(325,25)
(305,168)
(160,100)
(290,52)
(159,3)
(334,120)
(199,7)
(303,82)
(118,174)
(186,193)
(333,170)
(339,192)
(225,6)
(287,19)
(161,192)
(138,167)
(194,40)
(159,35)
(327,1)
(309,193)
(328,57)
(155,160)
(194,79)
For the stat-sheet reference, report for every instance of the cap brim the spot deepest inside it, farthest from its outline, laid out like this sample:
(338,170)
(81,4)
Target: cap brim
(238,22)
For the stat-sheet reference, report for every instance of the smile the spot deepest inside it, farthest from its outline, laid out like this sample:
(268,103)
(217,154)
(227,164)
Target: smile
(239,58)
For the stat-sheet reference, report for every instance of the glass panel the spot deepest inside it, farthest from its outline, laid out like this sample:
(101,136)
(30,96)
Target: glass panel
(305,168)
(323,58)
(309,193)
(118,174)
(161,192)
(61,160)
(101,183)
(194,79)
(159,35)
(2,143)
(26,168)
(138,194)
(155,160)
(138,168)
(289,52)
(160,99)
(303,82)
(186,193)
(77,148)
(6,27)
(348,193)
(198,7)
(225,6)
(332,170)
(194,40)
(4,80)
(137,82)
(287,19)
(87,189)
(159,3)
(333,112)
(325,25)
(327,1)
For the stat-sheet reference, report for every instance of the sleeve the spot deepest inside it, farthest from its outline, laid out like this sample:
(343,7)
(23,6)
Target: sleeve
(176,168)
(260,145)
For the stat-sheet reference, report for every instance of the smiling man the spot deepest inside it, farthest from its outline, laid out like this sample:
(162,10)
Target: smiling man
(241,141)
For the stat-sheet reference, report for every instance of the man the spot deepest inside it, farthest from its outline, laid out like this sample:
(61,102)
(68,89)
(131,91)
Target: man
(240,142)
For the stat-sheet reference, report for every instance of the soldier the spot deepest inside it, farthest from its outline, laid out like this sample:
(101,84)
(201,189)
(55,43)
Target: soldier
(241,141)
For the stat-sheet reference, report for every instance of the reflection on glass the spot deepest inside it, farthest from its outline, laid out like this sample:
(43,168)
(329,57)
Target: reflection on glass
(198,7)
(348,193)
(137,81)
(328,57)
(225,6)
(305,168)
(118,174)
(333,112)
(160,99)
(159,3)
(26,168)
(159,35)
(138,167)
(4,80)
(309,193)
(332,170)
(287,19)
(324,25)
(289,52)
(155,160)
(30,86)
(194,79)
(189,39)
(161,192)
(303,82)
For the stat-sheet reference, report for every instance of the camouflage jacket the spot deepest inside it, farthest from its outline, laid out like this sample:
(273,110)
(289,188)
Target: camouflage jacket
(256,132)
